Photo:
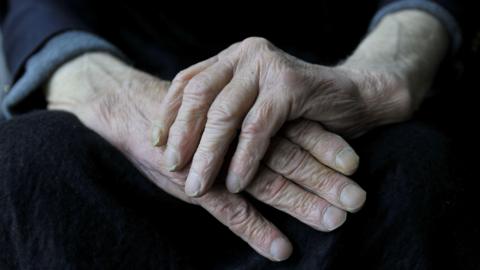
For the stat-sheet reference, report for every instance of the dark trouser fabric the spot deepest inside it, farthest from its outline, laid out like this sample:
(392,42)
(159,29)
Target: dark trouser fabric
(69,200)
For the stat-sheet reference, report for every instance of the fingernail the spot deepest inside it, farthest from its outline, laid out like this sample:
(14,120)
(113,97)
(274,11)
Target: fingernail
(157,133)
(171,159)
(347,159)
(333,218)
(233,183)
(352,197)
(193,184)
(280,249)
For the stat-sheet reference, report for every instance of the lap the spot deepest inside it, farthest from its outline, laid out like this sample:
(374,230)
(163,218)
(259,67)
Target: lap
(71,199)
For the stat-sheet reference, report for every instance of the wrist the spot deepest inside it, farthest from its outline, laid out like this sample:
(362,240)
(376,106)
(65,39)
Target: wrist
(409,43)
(78,67)
(384,93)
(75,82)
(394,66)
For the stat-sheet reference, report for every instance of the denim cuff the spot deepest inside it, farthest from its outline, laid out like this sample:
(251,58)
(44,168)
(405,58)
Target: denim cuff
(40,66)
(436,10)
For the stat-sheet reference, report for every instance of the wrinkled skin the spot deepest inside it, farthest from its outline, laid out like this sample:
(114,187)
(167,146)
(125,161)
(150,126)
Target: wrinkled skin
(255,87)
(120,103)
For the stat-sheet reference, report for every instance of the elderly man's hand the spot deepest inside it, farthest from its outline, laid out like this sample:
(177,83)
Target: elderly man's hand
(119,103)
(257,88)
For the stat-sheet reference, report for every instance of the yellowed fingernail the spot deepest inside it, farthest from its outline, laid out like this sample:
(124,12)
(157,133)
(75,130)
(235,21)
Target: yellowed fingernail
(347,160)
(157,134)
(171,159)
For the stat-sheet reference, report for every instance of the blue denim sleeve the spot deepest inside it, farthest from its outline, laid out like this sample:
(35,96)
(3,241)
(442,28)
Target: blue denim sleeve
(447,12)
(40,66)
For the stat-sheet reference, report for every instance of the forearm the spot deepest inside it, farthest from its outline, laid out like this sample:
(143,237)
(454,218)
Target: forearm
(409,45)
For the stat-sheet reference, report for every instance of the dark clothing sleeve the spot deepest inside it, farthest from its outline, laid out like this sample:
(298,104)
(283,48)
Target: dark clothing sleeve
(28,24)
(448,12)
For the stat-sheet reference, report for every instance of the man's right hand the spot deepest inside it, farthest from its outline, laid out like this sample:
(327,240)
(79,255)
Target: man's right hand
(120,103)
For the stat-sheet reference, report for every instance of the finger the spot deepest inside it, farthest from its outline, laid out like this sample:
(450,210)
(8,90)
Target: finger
(172,101)
(328,148)
(273,189)
(246,222)
(296,164)
(187,128)
(261,123)
(224,119)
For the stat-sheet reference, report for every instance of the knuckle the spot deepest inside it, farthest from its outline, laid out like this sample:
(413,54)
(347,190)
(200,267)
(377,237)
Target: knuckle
(289,159)
(315,144)
(326,181)
(221,113)
(328,146)
(198,86)
(194,105)
(182,77)
(192,114)
(188,117)
(238,214)
(252,128)
(272,189)
(305,206)
(256,121)
(170,103)
(255,42)
(294,161)
(298,129)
